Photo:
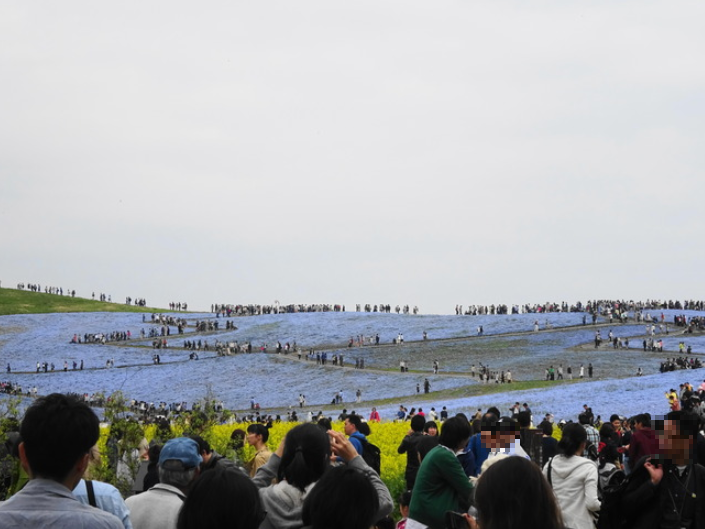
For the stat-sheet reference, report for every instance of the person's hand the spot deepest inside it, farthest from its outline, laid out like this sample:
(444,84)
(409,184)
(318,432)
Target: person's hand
(341,446)
(472,523)
(280,448)
(655,472)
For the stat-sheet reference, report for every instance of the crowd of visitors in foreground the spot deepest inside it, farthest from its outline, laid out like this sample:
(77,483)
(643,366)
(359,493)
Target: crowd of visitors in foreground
(491,470)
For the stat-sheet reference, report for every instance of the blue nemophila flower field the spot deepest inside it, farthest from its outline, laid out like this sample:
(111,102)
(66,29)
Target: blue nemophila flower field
(508,343)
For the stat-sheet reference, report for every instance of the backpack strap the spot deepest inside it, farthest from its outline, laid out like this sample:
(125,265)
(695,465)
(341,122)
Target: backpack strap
(550,462)
(91,493)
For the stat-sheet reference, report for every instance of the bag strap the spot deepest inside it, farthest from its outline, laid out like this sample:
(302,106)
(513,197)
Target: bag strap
(91,493)
(550,462)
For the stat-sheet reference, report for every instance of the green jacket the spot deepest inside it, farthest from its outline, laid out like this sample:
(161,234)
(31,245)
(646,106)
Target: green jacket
(441,485)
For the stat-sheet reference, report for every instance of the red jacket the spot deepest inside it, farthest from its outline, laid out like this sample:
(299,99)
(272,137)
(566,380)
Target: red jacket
(643,443)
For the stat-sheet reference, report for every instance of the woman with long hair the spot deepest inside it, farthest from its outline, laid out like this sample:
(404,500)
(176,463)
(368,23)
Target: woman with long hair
(301,460)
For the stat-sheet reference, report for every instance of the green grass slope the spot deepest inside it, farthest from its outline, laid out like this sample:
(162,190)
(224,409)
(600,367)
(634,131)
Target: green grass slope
(23,302)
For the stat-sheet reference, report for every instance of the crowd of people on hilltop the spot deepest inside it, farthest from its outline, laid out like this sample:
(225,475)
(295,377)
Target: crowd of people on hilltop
(138,302)
(227,310)
(606,307)
(489,470)
(36,287)
(368,307)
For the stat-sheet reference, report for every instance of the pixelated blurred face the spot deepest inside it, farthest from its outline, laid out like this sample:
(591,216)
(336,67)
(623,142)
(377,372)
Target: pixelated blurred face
(671,442)
(487,439)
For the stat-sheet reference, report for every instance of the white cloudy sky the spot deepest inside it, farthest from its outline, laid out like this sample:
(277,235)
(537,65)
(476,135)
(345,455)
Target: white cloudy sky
(428,153)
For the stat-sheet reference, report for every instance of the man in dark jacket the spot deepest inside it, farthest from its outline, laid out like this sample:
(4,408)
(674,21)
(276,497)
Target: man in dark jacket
(409,446)
(667,491)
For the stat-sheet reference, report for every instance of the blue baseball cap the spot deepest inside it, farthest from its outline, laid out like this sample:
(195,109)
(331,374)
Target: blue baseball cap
(182,449)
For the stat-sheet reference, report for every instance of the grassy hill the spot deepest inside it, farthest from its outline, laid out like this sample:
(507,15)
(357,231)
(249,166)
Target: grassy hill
(23,302)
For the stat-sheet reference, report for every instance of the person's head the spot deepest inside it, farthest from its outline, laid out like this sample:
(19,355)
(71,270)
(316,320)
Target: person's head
(179,462)
(404,503)
(364,428)
(343,498)
(237,438)
(325,424)
(643,420)
(455,433)
(494,411)
(352,424)
(417,423)
(546,428)
(514,493)
(487,427)
(584,418)
(257,434)
(58,432)
(223,497)
(607,432)
(153,453)
(616,422)
(524,419)
(573,440)
(204,448)
(431,428)
(677,434)
(306,455)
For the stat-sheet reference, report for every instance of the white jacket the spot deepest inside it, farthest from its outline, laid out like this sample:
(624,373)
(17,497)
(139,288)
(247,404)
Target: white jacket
(574,481)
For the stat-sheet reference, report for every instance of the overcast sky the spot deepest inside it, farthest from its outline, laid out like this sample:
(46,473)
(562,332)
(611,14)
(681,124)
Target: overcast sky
(402,152)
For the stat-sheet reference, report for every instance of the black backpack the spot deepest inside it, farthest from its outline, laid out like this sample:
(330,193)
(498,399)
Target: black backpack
(372,455)
(611,512)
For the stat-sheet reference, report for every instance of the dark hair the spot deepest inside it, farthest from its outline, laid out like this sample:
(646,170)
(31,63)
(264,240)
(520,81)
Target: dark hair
(494,411)
(644,419)
(259,429)
(325,424)
(222,497)
(524,419)
(355,420)
(237,438)
(573,436)
(607,432)
(546,427)
(306,455)
(364,429)
(615,417)
(456,430)
(385,523)
(514,493)
(343,498)
(57,430)
(418,422)
(153,452)
(203,445)
(584,418)
(431,424)
(405,498)
(687,422)
(488,422)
